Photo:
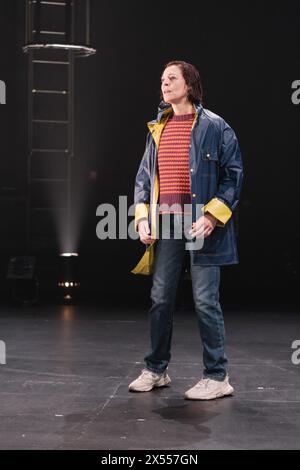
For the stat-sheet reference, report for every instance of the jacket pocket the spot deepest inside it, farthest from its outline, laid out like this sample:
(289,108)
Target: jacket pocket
(208,173)
(209,155)
(209,163)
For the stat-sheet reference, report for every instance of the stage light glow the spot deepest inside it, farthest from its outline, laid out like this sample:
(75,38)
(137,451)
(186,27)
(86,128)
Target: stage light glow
(68,282)
(67,255)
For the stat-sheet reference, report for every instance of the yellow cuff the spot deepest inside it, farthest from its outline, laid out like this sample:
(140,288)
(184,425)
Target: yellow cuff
(219,210)
(145,265)
(141,210)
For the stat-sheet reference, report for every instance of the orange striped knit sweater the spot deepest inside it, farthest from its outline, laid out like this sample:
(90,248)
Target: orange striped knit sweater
(173,163)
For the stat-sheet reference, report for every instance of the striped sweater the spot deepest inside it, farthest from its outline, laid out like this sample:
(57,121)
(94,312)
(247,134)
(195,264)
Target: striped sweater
(173,163)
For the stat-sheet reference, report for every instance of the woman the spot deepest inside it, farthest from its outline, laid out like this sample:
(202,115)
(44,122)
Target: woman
(192,159)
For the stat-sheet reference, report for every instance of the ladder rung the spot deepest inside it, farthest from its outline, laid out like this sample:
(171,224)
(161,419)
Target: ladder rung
(50,150)
(62,4)
(50,121)
(57,33)
(53,92)
(55,62)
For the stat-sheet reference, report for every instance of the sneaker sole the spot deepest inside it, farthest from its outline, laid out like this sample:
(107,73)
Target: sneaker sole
(227,392)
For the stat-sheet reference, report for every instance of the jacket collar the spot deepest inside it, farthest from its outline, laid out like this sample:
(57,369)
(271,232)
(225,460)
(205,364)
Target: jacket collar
(165,108)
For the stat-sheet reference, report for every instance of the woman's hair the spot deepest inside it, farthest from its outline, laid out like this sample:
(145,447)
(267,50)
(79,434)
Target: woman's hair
(192,79)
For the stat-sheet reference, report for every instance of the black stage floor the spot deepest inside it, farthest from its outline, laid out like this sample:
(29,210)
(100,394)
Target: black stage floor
(64,384)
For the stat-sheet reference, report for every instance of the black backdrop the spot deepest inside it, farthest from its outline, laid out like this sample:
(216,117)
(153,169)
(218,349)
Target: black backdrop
(247,53)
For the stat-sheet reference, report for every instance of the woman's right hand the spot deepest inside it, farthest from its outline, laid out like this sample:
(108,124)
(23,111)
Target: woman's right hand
(144,232)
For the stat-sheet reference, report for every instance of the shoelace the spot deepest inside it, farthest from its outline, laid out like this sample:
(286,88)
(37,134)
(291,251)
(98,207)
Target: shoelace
(203,381)
(148,372)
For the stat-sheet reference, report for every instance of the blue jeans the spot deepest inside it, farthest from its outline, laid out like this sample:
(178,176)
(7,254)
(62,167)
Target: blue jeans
(168,263)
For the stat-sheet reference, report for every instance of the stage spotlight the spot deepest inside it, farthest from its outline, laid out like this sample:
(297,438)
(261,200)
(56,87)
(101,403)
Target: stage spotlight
(22,277)
(68,283)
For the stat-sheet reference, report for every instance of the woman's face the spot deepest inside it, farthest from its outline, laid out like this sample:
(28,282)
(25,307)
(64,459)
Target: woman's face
(173,85)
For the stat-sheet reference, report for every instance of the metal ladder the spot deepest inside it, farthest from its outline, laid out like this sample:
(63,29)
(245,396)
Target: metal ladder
(50,120)
(50,137)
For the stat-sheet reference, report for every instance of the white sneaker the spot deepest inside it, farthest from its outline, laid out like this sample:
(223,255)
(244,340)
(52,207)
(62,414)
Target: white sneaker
(148,380)
(208,389)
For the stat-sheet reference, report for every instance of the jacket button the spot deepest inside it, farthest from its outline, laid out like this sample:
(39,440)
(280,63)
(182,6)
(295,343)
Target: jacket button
(194,195)
(192,170)
(208,155)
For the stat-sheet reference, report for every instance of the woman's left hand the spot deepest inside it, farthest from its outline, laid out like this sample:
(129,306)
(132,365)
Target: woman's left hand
(203,226)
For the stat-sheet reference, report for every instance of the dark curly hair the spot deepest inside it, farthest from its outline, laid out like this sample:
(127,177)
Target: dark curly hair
(192,78)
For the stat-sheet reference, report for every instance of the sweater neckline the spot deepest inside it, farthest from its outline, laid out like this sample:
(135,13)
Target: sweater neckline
(183,117)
